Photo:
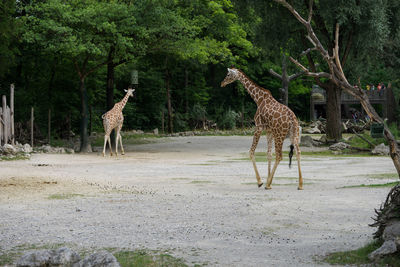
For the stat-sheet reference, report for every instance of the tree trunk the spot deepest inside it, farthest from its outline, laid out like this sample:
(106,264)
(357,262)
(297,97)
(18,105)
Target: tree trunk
(186,90)
(110,93)
(333,112)
(85,144)
(169,104)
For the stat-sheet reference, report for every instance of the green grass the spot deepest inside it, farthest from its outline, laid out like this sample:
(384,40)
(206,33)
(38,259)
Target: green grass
(201,182)
(146,259)
(14,157)
(64,196)
(360,257)
(384,176)
(371,185)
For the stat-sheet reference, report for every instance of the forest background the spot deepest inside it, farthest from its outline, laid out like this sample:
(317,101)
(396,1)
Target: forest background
(76,57)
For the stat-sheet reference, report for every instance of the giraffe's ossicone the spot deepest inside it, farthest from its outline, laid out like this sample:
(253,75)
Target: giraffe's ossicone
(114,119)
(276,119)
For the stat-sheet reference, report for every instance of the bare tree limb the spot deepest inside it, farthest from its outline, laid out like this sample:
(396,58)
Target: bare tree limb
(310,10)
(308,73)
(336,54)
(273,73)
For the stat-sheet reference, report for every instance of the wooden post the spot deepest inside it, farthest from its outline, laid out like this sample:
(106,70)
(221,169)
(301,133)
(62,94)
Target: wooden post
(1,124)
(162,121)
(32,118)
(5,138)
(12,113)
(49,127)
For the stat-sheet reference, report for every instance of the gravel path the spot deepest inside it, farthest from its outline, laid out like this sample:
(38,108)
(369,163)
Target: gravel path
(194,197)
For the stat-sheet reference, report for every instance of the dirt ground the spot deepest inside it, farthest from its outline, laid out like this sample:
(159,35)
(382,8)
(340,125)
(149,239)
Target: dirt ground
(194,197)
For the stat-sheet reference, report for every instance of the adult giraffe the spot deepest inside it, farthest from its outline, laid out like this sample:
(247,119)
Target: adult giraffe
(115,119)
(276,119)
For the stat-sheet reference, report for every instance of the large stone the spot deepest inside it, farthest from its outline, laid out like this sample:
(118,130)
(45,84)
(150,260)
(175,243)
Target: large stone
(43,258)
(27,148)
(306,140)
(339,146)
(312,130)
(9,149)
(388,247)
(381,149)
(99,259)
(35,259)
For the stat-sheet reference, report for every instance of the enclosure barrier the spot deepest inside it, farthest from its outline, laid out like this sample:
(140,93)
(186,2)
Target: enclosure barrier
(7,119)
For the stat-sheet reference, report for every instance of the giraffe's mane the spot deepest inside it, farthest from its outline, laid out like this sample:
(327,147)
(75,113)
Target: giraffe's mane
(262,88)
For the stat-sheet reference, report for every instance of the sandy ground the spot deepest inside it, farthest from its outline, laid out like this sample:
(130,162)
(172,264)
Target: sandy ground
(195,197)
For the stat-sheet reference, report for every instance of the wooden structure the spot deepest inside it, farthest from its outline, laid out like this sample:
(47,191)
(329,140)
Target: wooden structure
(7,119)
(384,97)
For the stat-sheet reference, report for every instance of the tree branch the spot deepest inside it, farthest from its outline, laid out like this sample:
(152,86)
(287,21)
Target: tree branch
(336,54)
(273,73)
(311,74)
(310,10)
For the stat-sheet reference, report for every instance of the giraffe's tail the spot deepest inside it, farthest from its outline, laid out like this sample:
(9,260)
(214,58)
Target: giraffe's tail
(291,155)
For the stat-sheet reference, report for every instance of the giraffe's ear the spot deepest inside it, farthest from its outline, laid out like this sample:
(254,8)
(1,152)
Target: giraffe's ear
(125,90)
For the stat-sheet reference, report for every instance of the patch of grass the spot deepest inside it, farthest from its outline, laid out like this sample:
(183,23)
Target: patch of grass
(129,139)
(383,176)
(9,257)
(145,259)
(201,182)
(360,257)
(64,196)
(371,185)
(15,157)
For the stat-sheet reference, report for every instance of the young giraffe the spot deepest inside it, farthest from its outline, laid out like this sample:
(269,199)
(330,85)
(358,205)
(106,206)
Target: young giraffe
(114,119)
(276,119)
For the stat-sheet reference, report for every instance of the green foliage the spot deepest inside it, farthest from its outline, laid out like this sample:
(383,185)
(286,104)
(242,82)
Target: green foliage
(46,44)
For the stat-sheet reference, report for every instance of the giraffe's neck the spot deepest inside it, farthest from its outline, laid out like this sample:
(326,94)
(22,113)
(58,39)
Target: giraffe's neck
(122,103)
(256,92)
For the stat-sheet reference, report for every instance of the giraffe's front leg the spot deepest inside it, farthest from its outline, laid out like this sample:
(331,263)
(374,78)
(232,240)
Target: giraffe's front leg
(256,138)
(269,152)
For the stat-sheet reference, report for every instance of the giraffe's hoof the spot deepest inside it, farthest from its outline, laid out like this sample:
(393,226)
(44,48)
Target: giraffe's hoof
(268,188)
(300,188)
(123,153)
(259,185)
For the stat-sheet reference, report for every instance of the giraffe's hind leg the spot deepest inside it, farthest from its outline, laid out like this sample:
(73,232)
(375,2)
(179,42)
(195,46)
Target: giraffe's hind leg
(298,153)
(105,144)
(278,158)
(119,137)
(256,138)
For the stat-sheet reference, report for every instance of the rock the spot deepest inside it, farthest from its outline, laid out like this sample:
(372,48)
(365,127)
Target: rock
(33,259)
(64,257)
(155,131)
(312,130)
(388,247)
(60,257)
(381,149)
(99,259)
(9,149)
(27,148)
(339,146)
(306,140)
(323,139)
(392,231)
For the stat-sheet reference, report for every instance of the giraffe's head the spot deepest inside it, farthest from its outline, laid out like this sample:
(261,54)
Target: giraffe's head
(130,91)
(233,75)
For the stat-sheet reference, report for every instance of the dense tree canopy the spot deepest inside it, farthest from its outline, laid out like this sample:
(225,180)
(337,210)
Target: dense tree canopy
(76,57)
